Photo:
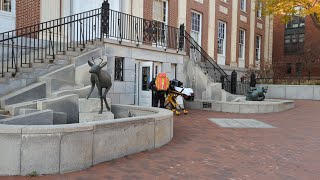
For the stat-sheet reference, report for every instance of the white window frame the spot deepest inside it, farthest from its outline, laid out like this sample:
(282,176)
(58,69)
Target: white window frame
(242,44)
(165,21)
(199,32)
(222,37)
(2,5)
(161,28)
(259,10)
(258,48)
(243,5)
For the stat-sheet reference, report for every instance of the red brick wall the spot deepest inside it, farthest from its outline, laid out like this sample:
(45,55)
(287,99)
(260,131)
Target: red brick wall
(147,9)
(27,13)
(311,44)
(173,13)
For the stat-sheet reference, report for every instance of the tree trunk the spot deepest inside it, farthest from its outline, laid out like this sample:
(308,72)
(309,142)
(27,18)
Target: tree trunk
(315,20)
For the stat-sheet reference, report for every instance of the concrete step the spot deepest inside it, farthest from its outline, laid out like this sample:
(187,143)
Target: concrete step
(62,62)
(4,117)
(4,112)
(64,57)
(73,53)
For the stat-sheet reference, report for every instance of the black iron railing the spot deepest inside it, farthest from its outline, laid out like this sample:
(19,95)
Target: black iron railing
(33,44)
(125,27)
(207,63)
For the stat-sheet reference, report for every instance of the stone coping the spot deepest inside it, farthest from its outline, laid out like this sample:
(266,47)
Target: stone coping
(248,107)
(72,147)
(307,92)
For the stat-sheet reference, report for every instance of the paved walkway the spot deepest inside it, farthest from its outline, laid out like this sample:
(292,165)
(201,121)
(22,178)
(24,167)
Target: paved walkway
(202,150)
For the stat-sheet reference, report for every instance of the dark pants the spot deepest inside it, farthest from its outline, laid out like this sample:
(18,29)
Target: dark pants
(158,96)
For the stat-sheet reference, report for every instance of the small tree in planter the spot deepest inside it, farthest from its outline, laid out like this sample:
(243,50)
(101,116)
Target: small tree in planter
(265,74)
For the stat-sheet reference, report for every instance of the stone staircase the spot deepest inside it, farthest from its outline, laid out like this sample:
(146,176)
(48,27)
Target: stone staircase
(42,72)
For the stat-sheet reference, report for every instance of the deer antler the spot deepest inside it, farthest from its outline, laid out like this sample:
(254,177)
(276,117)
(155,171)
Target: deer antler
(101,60)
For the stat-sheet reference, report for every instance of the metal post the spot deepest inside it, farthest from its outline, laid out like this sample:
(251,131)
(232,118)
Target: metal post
(222,81)
(234,82)
(181,38)
(105,13)
(253,80)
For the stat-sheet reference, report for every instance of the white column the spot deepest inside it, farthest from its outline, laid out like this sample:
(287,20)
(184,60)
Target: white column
(137,8)
(271,38)
(234,33)
(49,10)
(266,38)
(252,33)
(182,12)
(211,30)
(126,6)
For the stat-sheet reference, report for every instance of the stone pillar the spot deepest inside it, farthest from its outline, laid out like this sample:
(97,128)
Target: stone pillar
(137,8)
(266,39)
(270,38)
(211,30)
(182,12)
(252,33)
(234,33)
(126,6)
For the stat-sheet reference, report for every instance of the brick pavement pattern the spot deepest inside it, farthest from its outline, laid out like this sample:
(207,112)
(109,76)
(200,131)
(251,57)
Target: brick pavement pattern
(202,150)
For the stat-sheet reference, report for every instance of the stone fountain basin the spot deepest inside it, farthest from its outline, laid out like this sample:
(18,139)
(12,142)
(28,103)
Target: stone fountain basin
(54,149)
(243,107)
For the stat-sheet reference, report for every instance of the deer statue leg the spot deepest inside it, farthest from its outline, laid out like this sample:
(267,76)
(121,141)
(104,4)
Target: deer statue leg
(101,100)
(105,98)
(92,87)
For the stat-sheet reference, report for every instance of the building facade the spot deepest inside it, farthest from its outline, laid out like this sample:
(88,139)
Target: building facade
(232,32)
(296,51)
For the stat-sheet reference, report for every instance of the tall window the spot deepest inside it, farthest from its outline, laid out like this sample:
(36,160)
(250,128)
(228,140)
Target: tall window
(294,36)
(160,10)
(221,38)
(298,68)
(296,22)
(242,43)
(258,48)
(118,73)
(289,69)
(196,27)
(160,15)
(5,5)
(243,5)
(259,10)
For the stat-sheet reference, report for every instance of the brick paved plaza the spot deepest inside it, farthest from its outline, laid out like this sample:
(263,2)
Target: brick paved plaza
(202,150)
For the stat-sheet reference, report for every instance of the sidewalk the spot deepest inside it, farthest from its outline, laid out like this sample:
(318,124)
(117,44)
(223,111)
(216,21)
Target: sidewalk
(202,150)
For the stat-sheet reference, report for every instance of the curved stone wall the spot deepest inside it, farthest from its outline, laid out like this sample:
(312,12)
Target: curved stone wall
(72,147)
(247,107)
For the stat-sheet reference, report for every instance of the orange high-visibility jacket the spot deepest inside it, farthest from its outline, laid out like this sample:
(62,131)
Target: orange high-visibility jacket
(162,82)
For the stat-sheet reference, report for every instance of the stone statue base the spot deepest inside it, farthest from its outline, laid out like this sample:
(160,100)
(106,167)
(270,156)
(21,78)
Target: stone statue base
(89,110)
(91,117)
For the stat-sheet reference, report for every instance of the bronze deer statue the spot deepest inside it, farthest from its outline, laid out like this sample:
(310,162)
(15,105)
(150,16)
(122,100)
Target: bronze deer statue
(102,79)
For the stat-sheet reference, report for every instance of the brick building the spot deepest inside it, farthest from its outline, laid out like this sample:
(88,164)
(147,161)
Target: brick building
(296,51)
(232,32)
